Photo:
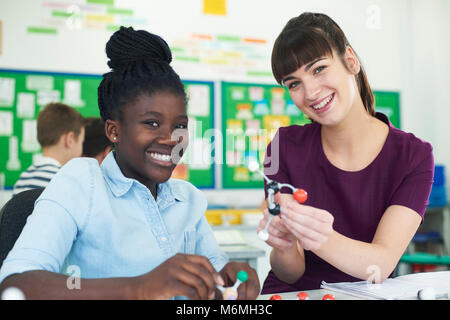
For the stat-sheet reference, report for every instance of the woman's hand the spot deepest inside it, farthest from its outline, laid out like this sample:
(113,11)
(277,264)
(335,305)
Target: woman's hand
(310,226)
(248,290)
(279,236)
(192,276)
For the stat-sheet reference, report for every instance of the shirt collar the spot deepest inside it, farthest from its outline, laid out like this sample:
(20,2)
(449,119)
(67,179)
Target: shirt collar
(40,160)
(119,184)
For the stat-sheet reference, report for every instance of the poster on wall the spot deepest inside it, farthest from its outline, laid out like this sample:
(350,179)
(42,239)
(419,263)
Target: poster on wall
(53,17)
(388,102)
(24,93)
(252,114)
(1,37)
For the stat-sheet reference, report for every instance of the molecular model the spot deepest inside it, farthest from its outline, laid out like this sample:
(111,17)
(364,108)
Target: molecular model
(13,293)
(302,296)
(274,187)
(230,293)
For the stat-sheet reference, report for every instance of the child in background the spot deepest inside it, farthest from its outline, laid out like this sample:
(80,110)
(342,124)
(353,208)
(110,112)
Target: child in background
(124,228)
(96,144)
(60,132)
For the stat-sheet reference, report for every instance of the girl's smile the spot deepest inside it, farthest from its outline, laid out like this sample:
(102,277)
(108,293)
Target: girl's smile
(161,159)
(146,140)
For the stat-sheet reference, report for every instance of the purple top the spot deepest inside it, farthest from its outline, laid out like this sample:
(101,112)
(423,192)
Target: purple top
(401,174)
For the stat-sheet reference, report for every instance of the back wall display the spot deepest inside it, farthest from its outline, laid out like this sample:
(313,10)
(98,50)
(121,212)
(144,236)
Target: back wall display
(252,114)
(24,93)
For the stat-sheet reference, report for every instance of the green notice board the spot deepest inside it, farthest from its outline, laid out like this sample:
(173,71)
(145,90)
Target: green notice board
(197,165)
(252,113)
(24,93)
(388,102)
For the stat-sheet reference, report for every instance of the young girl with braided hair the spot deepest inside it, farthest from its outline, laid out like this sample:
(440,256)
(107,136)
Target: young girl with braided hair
(125,229)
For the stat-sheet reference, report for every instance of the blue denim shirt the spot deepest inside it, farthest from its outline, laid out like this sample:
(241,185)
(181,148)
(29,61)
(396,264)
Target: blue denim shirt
(93,219)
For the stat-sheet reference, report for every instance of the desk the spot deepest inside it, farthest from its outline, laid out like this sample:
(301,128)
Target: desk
(313,295)
(403,287)
(244,253)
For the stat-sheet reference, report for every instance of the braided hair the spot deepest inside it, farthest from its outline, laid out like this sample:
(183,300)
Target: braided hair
(140,64)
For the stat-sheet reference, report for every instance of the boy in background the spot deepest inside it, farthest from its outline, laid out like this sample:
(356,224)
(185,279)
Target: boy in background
(96,144)
(60,132)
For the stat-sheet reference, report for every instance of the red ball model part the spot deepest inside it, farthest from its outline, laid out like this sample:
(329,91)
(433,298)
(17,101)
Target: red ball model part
(300,195)
(328,297)
(302,296)
(276,297)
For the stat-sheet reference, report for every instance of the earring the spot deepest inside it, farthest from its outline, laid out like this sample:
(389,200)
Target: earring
(114,138)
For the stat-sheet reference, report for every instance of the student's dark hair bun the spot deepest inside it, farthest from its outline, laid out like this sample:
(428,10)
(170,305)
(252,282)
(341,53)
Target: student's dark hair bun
(130,46)
(140,63)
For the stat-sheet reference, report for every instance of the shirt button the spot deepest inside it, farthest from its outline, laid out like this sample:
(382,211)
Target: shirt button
(163,239)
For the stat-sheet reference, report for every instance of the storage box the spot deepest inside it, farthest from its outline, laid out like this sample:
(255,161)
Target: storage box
(439,176)
(438,196)
(227,216)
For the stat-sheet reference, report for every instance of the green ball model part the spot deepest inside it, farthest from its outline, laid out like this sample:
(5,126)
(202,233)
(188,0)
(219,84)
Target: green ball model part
(242,276)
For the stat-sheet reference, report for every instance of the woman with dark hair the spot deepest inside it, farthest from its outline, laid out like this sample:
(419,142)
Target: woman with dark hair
(125,230)
(368,183)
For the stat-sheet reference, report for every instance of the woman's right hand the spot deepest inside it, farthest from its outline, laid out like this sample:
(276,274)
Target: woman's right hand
(279,235)
(192,276)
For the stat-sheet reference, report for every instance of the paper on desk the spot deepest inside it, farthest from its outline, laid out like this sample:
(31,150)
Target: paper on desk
(390,289)
(436,280)
(229,237)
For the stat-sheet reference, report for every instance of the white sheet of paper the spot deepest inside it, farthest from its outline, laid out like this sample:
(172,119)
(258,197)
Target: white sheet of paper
(6,123)
(46,97)
(7,89)
(13,163)
(25,104)
(29,136)
(72,93)
(39,82)
(198,100)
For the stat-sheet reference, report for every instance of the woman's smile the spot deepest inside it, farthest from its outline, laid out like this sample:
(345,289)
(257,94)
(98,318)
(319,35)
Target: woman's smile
(323,105)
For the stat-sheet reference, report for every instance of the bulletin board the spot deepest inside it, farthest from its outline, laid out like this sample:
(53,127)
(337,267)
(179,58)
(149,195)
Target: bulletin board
(197,165)
(388,102)
(24,93)
(252,113)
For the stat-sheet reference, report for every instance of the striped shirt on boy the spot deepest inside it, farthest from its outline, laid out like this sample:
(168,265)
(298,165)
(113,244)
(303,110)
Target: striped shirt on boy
(37,175)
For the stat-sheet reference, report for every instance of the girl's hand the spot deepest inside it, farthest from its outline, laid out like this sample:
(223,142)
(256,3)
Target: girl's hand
(248,290)
(310,226)
(187,275)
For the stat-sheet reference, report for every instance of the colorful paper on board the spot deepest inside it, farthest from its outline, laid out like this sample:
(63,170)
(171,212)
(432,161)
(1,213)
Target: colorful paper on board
(217,7)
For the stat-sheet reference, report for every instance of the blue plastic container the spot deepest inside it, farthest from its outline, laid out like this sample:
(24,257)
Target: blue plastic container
(439,176)
(438,196)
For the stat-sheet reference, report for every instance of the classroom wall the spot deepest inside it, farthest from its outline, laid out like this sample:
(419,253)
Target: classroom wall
(403,45)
